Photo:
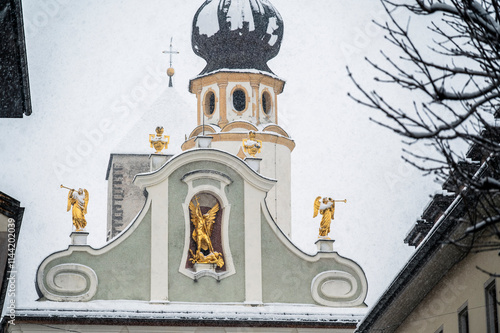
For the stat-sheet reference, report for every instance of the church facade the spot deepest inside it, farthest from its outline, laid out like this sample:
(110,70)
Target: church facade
(209,245)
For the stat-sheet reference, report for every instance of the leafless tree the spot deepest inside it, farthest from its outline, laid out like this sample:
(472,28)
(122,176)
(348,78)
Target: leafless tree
(452,67)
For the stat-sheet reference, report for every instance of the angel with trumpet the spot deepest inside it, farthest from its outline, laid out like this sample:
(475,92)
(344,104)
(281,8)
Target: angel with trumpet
(79,201)
(325,207)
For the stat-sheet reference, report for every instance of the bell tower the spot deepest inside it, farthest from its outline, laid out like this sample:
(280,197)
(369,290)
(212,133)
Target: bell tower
(237,92)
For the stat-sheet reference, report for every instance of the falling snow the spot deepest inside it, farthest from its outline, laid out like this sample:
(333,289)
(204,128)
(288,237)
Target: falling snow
(97,72)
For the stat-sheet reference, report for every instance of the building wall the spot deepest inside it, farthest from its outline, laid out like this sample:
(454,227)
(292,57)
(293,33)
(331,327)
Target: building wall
(11,214)
(122,270)
(4,222)
(125,200)
(464,283)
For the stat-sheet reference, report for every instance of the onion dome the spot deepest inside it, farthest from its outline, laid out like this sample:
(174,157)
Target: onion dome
(237,34)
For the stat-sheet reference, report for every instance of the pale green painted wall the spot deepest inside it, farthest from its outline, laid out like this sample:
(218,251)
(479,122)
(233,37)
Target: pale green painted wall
(212,182)
(206,289)
(286,278)
(124,271)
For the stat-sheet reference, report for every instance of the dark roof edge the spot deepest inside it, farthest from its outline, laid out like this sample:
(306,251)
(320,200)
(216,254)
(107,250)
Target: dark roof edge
(184,322)
(24,57)
(422,255)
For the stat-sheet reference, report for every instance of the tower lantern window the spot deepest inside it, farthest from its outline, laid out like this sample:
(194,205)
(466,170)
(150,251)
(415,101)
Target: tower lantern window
(209,104)
(239,100)
(266,102)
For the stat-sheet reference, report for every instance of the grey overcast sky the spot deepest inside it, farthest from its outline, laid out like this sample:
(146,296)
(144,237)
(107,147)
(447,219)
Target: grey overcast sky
(97,75)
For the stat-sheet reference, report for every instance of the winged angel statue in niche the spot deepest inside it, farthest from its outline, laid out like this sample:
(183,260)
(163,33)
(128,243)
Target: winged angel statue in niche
(203,227)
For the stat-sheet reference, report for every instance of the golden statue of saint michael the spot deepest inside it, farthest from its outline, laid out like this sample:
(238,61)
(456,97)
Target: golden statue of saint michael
(79,201)
(203,227)
(325,207)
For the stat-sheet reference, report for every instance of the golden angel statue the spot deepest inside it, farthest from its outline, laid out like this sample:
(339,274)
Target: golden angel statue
(325,207)
(79,201)
(203,227)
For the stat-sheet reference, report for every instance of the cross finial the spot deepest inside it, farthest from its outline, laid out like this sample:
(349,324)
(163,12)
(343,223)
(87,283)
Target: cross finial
(170,70)
(171,51)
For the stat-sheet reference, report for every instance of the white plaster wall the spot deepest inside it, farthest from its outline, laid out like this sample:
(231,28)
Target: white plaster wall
(253,245)
(276,164)
(232,147)
(159,243)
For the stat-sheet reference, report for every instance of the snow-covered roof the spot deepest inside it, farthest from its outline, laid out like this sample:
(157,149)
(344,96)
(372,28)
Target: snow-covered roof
(206,312)
(238,70)
(237,33)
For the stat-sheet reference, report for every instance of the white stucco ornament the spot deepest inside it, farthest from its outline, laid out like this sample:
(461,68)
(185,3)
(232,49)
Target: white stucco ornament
(69,282)
(337,288)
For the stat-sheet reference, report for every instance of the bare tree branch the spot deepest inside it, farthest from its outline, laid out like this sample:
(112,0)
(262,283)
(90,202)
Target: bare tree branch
(453,70)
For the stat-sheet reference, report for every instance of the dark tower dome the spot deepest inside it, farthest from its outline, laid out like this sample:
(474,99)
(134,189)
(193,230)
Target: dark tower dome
(237,34)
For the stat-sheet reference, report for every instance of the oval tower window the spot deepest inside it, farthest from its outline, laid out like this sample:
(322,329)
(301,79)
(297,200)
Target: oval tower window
(239,100)
(209,103)
(266,102)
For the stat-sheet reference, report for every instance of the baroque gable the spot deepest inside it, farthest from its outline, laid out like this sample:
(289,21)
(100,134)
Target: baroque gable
(260,263)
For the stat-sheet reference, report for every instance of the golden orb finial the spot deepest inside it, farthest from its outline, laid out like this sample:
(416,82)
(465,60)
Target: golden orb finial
(170,70)
(159,130)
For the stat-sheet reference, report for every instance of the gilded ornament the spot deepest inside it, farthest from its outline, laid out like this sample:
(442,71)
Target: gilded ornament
(251,145)
(78,200)
(159,141)
(170,70)
(203,227)
(326,208)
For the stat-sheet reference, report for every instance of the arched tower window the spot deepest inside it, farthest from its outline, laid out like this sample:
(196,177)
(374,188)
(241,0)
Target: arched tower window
(267,104)
(239,100)
(209,103)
